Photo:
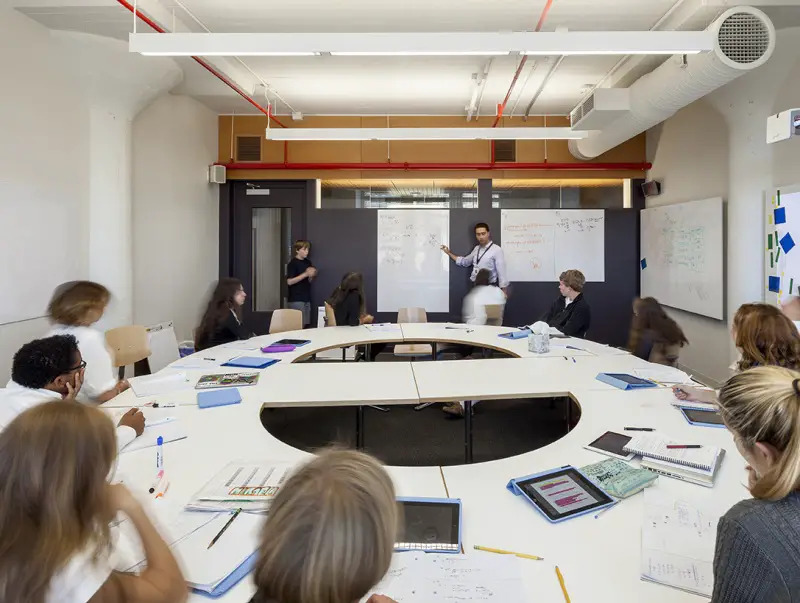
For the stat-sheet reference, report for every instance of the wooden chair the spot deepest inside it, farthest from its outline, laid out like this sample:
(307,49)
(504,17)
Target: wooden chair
(412,350)
(286,320)
(129,345)
(494,314)
(330,316)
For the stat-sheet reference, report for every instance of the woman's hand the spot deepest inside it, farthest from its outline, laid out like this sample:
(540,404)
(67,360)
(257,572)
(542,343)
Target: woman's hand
(121,499)
(693,394)
(367,319)
(380,599)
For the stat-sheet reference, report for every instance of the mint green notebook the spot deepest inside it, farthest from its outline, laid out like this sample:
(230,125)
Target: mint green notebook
(618,478)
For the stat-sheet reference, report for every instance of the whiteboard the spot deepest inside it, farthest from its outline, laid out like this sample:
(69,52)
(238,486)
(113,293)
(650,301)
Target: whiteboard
(782,257)
(413,272)
(681,256)
(540,244)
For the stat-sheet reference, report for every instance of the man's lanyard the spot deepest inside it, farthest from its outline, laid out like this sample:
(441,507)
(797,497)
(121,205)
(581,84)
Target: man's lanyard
(482,255)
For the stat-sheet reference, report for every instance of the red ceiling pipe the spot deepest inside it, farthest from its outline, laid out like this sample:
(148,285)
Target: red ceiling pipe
(208,67)
(639,167)
(502,106)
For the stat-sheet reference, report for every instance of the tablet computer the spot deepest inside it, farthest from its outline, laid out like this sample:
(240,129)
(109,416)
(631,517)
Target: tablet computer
(610,444)
(294,342)
(703,418)
(561,494)
(431,525)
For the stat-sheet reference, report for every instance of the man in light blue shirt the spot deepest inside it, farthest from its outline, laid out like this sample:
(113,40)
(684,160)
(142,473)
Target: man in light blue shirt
(486,255)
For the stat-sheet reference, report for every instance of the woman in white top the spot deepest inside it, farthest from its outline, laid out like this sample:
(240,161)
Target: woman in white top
(56,505)
(74,308)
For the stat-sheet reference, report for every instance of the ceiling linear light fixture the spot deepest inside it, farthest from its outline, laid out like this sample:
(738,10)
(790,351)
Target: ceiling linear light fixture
(318,134)
(424,43)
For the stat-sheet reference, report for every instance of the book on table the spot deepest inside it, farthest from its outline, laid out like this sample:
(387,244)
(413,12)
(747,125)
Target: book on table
(249,485)
(696,465)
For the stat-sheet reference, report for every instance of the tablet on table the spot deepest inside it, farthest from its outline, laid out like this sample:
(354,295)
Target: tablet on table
(431,525)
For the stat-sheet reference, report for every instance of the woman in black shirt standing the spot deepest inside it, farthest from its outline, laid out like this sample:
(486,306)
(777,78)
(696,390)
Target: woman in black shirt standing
(222,320)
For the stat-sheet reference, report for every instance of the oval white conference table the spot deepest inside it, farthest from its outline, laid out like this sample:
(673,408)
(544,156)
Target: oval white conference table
(599,558)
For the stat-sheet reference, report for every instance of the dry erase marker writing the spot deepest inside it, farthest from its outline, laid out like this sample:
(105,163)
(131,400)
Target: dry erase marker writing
(160,453)
(675,446)
(156,481)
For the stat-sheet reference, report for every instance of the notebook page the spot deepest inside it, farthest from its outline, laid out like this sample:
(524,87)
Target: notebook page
(171,431)
(160,383)
(678,539)
(655,445)
(422,578)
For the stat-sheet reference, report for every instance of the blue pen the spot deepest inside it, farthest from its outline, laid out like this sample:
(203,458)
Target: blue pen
(573,359)
(160,453)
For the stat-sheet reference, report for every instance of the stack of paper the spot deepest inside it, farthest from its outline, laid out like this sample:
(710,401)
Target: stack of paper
(428,577)
(248,485)
(678,539)
(160,383)
(696,465)
(385,327)
(212,570)
(663,374)
(169,428)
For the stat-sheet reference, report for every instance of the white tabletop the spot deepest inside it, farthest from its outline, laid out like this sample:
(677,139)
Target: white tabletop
(599,558)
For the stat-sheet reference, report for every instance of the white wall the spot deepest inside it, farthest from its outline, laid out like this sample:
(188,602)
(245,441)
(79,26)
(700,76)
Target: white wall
(44,183)
(717,147)
(175,212)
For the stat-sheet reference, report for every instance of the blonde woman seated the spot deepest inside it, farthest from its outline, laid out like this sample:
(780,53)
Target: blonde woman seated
(764,336)
(757,557)
(56,505)
(330,533)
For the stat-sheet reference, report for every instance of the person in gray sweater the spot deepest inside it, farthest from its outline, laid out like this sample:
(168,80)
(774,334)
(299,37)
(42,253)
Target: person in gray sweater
(757,556)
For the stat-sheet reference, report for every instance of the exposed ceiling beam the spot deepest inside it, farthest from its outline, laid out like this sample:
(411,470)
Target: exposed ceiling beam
(425,134)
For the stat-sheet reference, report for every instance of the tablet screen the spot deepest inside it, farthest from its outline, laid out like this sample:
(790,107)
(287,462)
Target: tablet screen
(702,416)
(612,442)
(432,524)
(630,379)
(564,493)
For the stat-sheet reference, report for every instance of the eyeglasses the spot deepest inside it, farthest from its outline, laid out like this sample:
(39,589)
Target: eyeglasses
(82,365)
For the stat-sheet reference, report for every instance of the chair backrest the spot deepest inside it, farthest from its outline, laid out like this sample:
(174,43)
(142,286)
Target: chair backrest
(411,315)
(163,346)
(330,317)
(286,320)
(494,314)
(128,344)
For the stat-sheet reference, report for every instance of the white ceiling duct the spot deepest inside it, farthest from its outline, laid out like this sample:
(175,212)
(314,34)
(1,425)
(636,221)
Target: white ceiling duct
(744,39)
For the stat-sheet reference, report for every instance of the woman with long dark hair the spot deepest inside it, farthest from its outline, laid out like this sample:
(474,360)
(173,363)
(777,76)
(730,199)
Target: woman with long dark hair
(222,320)
(654,335)
(350,309)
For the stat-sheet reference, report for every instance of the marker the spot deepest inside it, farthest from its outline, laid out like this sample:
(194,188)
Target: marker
(160,453)
(225,527)
(163,489)
(211,359)
(674,446)
(157,481)
(563,586)
(573,360)
(163,405)
(502,552)
(638,429)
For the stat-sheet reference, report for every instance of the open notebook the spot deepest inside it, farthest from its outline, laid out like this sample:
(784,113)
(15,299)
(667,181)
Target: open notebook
(654,446)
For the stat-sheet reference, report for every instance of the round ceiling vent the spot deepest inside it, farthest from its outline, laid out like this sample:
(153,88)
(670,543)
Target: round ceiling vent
(745,37)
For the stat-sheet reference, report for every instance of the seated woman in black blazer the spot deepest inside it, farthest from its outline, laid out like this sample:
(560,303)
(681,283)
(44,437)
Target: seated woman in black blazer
(222,320)
(349,306)
(570,313)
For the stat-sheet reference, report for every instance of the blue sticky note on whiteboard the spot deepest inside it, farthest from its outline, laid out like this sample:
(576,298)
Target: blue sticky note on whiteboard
(775,284)
(787,242)
(780,215)
(643,263)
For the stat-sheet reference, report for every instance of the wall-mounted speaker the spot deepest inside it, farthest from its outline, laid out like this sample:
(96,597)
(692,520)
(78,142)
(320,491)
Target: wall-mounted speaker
(216,174)
(651,188)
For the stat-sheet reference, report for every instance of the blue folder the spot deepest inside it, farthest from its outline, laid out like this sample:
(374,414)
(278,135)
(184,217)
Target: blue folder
(624,381)
(232,580)
(256,362)
(218,397)
(516,334)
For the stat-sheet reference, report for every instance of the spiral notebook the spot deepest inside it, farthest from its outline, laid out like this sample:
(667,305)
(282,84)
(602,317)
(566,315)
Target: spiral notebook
(654,446)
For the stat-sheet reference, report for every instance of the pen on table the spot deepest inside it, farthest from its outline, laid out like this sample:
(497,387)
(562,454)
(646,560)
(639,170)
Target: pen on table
(638,429)
(162,491)
(211,359)
(160,453)
(163,405)
(502,552)
(225,527)
(157,481)
(573,360)
(606,509)
(563,586)
(674,446)
(162,485)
